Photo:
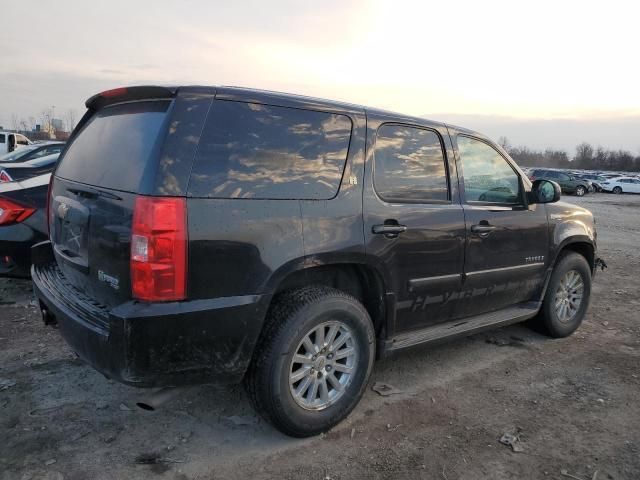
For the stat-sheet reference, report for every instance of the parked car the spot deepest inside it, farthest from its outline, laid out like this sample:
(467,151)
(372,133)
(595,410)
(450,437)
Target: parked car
(23,223)
(33,151)
(596,180)
(11,172)
(203,234)
(622,185)
(568,183)
(11,141)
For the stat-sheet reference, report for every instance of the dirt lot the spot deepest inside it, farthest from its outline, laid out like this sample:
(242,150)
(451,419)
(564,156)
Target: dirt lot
(573,402)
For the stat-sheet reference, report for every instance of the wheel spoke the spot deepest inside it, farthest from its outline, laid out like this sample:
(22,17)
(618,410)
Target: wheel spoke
(299,374)
(331,336)
(299,392)
(309,346)
(343,353)
(344,336)
(339,367)
(324,390)
(320,337)
(313,391)
(335,383)
(303,359)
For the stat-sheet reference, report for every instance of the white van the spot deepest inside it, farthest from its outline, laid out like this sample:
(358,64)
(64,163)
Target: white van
(10,141)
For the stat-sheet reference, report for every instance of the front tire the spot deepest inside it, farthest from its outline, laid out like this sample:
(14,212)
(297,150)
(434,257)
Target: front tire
(567,296)
(617,190)
(580,191)
(313,361)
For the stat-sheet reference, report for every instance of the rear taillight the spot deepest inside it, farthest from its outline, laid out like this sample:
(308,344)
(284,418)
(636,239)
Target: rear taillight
(159,249)
(5,177)
(12,212)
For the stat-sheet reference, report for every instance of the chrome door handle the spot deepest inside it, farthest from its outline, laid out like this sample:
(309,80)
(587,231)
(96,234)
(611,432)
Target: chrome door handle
(389,231)
(483,230)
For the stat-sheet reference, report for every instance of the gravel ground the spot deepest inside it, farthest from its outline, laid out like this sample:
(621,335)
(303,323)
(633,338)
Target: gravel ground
(573,403)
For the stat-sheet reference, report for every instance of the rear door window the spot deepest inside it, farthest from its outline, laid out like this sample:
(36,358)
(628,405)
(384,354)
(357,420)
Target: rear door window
(250,150)
(114,147)
(409,165)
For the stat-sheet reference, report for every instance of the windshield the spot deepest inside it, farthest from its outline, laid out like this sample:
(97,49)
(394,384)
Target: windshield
(15,155)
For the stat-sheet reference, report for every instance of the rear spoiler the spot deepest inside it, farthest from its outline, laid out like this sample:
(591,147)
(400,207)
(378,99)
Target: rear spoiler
(125,94)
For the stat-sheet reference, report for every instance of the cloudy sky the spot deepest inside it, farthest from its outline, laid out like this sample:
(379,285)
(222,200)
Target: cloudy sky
(544,73)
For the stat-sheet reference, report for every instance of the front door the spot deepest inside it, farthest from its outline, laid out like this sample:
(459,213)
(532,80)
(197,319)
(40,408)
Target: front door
(506,240)
(414,224)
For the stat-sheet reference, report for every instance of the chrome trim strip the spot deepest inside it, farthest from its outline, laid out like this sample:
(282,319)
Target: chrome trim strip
(505,269)
(418,283)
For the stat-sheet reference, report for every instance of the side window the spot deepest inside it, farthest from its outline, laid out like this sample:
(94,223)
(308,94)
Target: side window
(2,139)
(563,177)
(487,175)
(249,150)
(38,153)
(409,165)
(20,140)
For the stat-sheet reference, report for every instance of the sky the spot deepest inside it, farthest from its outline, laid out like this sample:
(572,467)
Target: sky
(543,73)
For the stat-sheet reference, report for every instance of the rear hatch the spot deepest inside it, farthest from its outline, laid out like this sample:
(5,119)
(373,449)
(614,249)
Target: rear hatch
(111,156)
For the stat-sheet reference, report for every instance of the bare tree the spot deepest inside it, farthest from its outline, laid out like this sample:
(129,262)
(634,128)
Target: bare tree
(15,123)
(504,143)
(70,119)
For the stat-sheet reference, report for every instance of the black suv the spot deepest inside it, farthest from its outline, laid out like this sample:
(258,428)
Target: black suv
(568,183)
(202,234)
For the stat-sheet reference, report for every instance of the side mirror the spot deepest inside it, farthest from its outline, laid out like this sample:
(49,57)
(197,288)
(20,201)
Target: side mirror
(544,191)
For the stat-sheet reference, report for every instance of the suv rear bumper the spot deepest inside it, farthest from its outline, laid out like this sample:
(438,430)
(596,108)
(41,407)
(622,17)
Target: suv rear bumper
(153,345)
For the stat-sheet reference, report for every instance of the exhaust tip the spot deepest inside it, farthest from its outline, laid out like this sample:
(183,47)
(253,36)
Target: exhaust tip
(145,406)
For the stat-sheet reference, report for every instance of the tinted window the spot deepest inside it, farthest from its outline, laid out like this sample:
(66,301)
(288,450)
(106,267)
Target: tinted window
(112,150)
(487,175)
(409,165)
(563,177)
(2,139)
(17,154)
(249,150)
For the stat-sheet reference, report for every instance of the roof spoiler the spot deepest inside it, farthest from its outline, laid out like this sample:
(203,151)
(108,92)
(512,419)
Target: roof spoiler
(125,94)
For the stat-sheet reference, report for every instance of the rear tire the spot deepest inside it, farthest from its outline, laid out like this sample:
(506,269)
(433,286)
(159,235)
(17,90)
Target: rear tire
(567,297)
(296,380)
(617,190)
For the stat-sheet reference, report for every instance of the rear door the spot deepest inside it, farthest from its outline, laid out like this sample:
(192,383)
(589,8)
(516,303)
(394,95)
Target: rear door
(506,240)
(93,195)
(414,224)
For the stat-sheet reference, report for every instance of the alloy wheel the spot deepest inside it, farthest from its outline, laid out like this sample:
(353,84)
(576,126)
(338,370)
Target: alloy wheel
(569,296)
(323,365)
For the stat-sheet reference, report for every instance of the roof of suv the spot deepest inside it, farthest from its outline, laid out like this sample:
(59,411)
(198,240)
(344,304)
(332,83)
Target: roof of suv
(254,95)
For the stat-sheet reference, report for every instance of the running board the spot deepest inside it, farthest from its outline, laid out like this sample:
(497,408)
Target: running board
(461,327)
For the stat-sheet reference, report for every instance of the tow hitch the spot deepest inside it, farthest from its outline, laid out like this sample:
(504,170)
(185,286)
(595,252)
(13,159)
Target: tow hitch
(47,317)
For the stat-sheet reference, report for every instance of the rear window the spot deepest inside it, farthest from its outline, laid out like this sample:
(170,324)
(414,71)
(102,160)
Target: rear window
(250,150)
(113,148)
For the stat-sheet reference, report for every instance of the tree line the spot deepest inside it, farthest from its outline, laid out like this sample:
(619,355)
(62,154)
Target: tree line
(586,157)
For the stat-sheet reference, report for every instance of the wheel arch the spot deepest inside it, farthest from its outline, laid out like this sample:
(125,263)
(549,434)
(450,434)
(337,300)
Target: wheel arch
(360,280)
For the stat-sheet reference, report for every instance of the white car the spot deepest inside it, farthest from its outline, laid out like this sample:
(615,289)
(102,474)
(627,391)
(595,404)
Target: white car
(622,185)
